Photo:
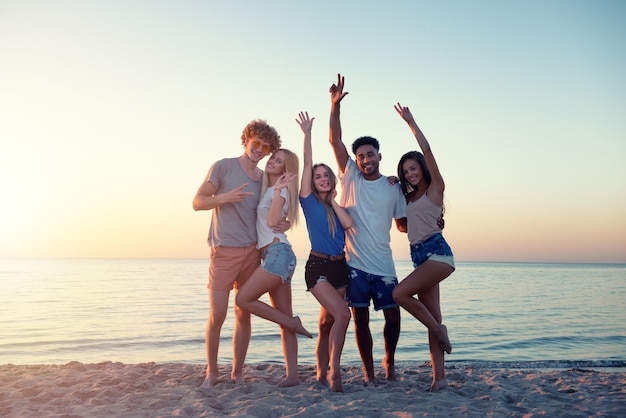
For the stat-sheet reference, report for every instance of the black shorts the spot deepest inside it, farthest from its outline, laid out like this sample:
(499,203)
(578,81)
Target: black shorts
(336,272)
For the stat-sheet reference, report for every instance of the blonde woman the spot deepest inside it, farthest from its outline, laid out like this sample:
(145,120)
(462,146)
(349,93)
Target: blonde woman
(326,274)
(279,200)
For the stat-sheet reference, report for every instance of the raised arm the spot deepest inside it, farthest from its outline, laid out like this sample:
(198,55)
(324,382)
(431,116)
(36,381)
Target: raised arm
(206,199)
(336,95)
(306,124)
(437,184)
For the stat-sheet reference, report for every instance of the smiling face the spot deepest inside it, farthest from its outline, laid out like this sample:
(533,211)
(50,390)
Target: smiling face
(323,180)
(257,149)
(412,172)
(368,161)
(276,164)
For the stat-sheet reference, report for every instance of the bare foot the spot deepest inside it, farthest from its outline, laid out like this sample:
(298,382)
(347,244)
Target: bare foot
(438,385)
(370,378)
(444,342)
(299,328)
(236,378)
(288,382)
(210,380)
(390,369)
(335,382)
(323,380)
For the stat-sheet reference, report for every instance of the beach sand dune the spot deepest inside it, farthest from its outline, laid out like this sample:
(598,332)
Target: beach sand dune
(167,390)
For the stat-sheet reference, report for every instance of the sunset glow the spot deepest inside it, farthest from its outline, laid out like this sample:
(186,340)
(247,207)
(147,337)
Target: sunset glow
(111,113)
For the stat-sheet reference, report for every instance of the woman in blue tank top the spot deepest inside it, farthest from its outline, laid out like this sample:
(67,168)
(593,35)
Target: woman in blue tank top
(326,272)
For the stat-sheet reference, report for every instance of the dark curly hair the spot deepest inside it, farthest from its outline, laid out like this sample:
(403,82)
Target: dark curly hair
(365,140)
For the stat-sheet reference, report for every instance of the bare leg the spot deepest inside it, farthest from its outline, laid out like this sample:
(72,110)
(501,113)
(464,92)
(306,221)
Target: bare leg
(333,301)
(364,342)
(431,300)
(322,350)
(248,299)
(392,335)
(218,307)
(425,277)
(241,340)
(280,297)
(424,281)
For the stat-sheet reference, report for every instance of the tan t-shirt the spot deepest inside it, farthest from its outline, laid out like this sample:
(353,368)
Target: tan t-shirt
(422,218)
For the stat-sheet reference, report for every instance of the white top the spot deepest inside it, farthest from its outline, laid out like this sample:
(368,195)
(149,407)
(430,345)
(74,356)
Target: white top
(264,232)
(373,204)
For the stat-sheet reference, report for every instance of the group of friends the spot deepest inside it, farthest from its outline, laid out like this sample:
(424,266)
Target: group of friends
(350,263)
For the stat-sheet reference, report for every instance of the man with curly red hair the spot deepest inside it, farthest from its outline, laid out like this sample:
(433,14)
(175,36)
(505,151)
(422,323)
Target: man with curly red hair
(232,189)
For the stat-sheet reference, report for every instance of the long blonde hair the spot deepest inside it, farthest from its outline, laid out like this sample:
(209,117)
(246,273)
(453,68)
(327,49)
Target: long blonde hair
(326,202)
(292,165)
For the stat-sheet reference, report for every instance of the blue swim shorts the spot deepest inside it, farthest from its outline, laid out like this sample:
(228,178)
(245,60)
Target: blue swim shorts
(434,248)
(365,286)
(279,259)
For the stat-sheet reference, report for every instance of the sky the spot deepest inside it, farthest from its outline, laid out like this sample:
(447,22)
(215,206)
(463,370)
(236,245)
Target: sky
(112,112)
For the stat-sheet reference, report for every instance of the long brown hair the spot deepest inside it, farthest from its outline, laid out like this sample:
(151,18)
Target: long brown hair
(407,188)
(326,201)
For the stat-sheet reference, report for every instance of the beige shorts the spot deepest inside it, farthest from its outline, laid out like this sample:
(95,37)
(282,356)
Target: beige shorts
(231,266)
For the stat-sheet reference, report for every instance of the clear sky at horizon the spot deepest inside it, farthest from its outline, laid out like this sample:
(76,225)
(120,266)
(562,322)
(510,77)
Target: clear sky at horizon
(111,113)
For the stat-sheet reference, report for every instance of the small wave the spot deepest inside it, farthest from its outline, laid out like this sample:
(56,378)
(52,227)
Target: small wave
(541,364)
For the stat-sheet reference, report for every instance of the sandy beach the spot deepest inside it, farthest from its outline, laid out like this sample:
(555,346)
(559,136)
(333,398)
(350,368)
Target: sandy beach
(163,390)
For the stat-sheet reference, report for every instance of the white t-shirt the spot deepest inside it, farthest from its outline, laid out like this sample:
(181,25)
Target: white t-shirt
(373,204)
(264,232)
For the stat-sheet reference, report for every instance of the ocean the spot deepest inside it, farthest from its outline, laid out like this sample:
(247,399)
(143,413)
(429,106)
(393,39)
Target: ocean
(517,315)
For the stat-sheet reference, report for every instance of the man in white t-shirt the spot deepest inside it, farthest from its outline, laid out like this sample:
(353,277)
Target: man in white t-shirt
(373,203)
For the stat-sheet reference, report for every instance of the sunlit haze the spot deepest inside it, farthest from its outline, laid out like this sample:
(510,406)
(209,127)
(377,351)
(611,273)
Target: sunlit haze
(112,112)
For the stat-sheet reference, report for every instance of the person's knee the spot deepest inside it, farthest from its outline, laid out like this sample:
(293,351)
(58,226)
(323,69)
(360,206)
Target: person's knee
(241,315)
(361,317)
(398,296)
(216,317)
(326,324)
(392,315)
(343,317)
(241,301)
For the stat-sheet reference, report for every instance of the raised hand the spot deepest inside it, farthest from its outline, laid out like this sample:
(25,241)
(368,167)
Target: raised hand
(283,181)
(404,113)
(306,123)
(336,90)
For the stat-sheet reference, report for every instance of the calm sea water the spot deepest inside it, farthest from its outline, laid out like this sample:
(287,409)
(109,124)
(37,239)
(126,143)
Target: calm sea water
(133,311)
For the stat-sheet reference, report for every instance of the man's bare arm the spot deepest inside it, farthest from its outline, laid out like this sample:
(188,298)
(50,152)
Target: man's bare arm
(206,199)
(339,148)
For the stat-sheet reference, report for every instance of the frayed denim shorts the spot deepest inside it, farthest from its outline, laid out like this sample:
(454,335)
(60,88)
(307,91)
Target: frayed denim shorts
(366,286)
(435,248)
(335,272)
(279,259)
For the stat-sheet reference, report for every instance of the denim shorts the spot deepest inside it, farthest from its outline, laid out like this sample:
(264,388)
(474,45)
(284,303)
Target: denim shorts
(279,259)
(365,286)
(317,269)
(435,248)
